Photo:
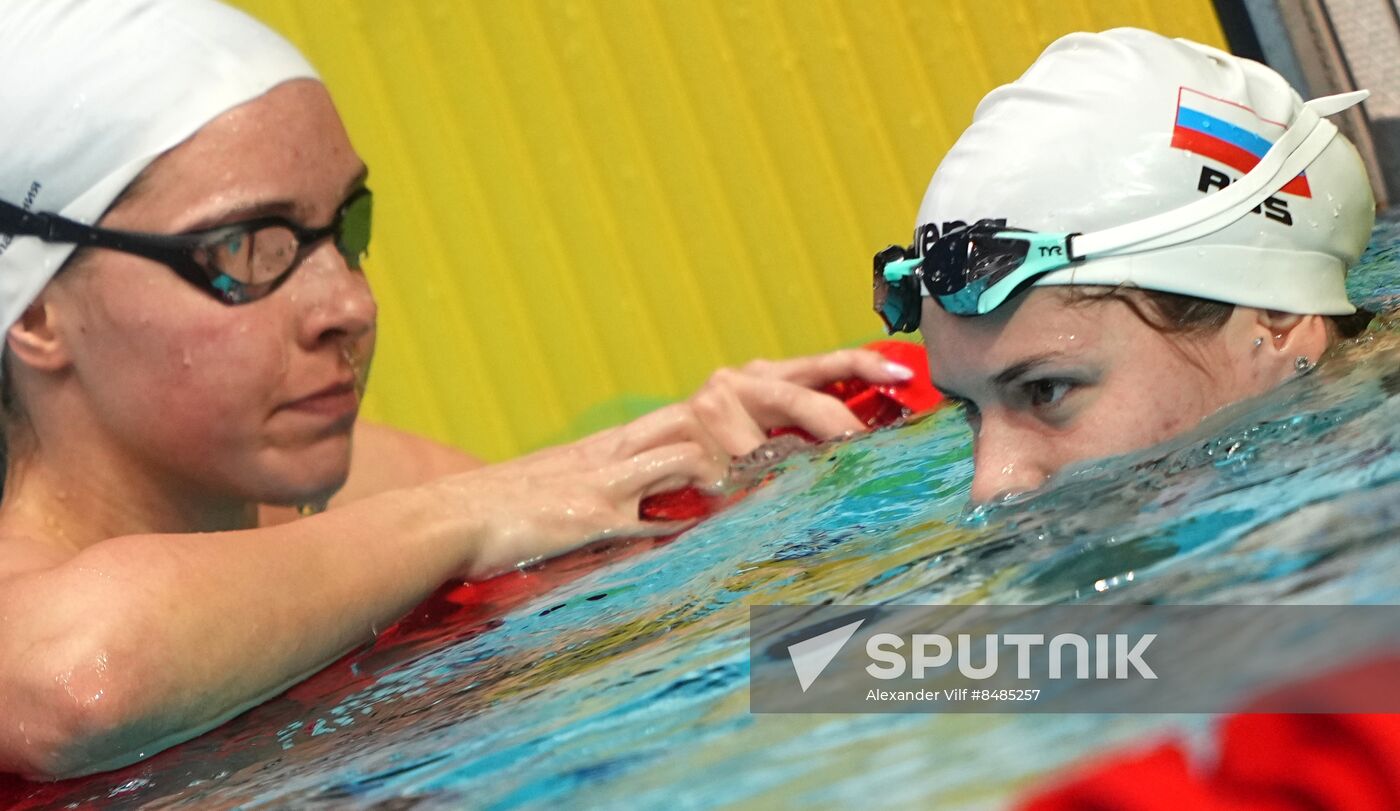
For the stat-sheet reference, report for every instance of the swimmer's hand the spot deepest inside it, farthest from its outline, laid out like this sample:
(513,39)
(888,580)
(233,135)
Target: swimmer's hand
(558,499)
(737,407)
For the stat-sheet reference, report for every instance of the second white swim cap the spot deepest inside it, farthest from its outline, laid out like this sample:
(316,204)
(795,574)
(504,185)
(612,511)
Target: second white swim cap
(1112,128)
(95,90)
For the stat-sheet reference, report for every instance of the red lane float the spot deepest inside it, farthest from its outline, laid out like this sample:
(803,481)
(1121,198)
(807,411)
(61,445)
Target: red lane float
(471,607)
(462,610)
(875,406)
(1267,761)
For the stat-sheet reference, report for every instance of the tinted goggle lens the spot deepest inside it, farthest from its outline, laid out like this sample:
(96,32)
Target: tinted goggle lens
(897,301)
(247,265)
(957,269)
(356,224)
(988,259)
(945,264)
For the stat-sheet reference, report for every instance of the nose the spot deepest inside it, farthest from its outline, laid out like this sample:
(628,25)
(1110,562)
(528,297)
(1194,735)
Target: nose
(333,301)
(1005,461)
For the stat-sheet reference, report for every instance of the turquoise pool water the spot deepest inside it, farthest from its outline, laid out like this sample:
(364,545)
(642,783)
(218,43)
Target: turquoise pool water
(626,687)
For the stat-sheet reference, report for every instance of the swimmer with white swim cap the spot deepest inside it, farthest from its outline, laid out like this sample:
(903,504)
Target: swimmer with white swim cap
(182,224)
(1136,233)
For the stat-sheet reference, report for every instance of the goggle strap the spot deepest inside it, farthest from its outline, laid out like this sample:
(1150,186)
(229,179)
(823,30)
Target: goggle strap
(1301,144)
(1046,253)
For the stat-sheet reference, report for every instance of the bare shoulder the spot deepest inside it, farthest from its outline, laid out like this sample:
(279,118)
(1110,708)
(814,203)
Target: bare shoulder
(385,459)
(24,554)
(382,443)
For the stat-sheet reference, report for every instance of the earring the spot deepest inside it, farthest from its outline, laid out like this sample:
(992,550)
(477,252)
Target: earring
(1302,364)
(1258,342)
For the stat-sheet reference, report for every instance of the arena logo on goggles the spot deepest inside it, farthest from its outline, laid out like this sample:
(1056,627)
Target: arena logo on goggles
(926,235)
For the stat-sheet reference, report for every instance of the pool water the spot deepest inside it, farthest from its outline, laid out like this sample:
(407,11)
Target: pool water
(626,686)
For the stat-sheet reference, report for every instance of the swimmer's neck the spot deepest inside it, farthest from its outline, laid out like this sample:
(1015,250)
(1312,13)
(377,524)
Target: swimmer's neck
(73,503)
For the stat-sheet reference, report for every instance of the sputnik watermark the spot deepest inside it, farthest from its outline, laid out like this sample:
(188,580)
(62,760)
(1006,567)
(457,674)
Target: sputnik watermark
(935,651)
(1066,658)
(810,657)
(1114,656)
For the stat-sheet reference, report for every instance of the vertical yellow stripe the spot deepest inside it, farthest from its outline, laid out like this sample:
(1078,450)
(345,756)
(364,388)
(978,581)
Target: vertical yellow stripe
(585,206)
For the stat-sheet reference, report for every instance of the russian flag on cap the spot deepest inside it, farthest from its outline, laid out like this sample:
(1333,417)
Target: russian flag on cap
(1227,132)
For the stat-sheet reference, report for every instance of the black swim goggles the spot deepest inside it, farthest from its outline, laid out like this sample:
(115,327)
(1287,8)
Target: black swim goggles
(235,263)
(969,271)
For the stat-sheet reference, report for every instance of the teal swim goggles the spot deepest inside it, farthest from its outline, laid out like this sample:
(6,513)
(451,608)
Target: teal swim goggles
(969,271)
(973,269)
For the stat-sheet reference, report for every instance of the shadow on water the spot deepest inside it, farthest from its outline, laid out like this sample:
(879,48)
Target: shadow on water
(626,684)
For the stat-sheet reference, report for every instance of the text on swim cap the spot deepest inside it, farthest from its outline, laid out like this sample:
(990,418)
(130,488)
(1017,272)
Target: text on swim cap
(28,205)
(1274,208)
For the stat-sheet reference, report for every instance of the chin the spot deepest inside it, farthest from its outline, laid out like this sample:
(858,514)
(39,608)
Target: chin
(306,476)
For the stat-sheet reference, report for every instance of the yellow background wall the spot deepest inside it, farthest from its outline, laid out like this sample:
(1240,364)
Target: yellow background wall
(585,207)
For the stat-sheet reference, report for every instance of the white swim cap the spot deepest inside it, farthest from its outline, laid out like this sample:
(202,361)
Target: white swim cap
(1115,128)
(95,90)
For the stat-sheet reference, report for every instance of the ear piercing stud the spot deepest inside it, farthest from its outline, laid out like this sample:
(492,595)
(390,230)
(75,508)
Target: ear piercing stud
(1302,364)
(1258,342)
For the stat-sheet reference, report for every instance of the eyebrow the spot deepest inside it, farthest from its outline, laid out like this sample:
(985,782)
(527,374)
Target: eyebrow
(269,208)
(1023,367)
(1010,374)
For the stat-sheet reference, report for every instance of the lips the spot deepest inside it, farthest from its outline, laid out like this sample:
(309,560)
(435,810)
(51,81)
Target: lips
(335,401)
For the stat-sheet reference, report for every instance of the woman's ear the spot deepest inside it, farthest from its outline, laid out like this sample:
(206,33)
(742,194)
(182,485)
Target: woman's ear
(1288,342)
(35,339)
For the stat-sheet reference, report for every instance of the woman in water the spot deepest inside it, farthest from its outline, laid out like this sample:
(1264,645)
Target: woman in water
(191,371)
(1136,233)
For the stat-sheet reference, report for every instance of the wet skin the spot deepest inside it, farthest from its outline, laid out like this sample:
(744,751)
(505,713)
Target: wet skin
(1047,382)
(225,405)
(143,602)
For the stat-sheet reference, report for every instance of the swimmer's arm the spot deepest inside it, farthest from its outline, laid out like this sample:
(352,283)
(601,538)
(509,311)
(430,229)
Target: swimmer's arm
(135,643)
(140,642)
(735,406)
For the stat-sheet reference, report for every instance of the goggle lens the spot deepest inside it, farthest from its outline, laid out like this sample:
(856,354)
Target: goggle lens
(969,271)
(244,266)
(356,224)
(897,300)
(991,259)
